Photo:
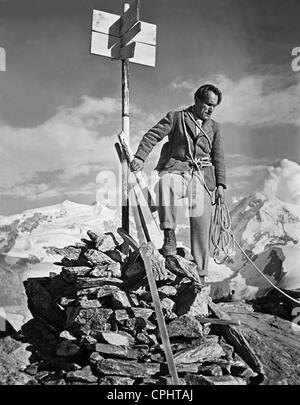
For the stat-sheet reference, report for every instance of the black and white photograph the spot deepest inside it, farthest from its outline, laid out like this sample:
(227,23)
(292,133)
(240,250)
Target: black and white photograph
(149,195)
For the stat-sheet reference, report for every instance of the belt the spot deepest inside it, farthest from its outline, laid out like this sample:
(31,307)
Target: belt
(199,163)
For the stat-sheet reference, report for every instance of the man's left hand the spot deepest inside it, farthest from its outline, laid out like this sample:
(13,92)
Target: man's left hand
(220,194)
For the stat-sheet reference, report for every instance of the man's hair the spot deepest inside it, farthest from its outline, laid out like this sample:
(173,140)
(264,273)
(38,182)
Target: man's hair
(202,92)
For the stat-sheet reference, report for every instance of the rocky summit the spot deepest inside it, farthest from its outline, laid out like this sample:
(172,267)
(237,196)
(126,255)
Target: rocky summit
(94,323)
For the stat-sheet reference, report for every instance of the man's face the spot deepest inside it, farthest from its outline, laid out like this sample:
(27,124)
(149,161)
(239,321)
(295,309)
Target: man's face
(205,108)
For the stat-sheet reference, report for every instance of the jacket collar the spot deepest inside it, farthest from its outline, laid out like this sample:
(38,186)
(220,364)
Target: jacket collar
(206,125)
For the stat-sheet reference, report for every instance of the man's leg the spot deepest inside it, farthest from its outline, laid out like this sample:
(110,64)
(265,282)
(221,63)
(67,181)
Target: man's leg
(169,193)
(200,219)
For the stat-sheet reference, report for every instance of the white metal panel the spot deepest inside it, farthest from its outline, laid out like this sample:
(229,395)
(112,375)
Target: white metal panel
(102,22)
(147,34)
(144,53)
(108,23)
(99,45)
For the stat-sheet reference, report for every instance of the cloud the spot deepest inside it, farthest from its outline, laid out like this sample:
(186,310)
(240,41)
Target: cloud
(85,189)
(73,137)
(74,171)
(32,192)
(183,85)
(253,100)
(76,140)
(245,171)
(284,182)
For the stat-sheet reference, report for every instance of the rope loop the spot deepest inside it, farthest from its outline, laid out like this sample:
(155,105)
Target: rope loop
(224,242)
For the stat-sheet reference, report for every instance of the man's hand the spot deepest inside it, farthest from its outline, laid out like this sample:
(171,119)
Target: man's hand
(220,194)
(136,165)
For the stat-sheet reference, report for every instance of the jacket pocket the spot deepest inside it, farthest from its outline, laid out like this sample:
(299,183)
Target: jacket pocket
(210,177)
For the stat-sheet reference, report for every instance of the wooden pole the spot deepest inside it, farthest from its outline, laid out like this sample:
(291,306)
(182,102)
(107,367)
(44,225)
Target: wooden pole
(125,128)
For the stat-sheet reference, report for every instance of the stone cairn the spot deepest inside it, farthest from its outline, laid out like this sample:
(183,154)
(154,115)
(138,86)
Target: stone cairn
(95,323)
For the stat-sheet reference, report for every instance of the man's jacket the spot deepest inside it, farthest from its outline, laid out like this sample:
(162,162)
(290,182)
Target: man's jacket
(175,153)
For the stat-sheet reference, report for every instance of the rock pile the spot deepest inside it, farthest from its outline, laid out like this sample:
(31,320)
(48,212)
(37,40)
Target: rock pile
(95,323)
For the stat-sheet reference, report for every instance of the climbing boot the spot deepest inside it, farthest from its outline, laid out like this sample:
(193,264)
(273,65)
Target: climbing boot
(169,246)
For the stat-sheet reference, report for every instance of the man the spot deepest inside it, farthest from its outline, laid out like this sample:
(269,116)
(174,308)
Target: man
(191,165)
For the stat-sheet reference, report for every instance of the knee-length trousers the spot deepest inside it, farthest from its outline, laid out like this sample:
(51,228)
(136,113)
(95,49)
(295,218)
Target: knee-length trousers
(171,189)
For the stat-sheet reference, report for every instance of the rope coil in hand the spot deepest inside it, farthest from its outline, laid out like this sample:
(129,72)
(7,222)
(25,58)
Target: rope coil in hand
(222,236)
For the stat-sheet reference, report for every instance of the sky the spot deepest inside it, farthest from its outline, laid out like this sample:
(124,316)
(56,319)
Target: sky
(60,106)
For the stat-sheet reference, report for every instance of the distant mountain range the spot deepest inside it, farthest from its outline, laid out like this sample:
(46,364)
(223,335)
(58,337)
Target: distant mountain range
(267,229)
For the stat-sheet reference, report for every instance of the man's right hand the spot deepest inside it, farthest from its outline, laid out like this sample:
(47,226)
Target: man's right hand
(136,165)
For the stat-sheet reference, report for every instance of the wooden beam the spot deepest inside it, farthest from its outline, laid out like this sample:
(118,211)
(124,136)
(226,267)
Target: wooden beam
(130,17)
(129,35)
(127,52)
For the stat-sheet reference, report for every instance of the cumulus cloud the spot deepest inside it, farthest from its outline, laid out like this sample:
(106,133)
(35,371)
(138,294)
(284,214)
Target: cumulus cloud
(74,136)
(258,99)
(284,182)
(77,140)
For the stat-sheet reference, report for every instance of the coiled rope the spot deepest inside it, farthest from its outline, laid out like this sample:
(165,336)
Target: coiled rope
(224,241)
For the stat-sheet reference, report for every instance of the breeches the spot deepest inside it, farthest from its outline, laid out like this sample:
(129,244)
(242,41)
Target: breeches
(172,189)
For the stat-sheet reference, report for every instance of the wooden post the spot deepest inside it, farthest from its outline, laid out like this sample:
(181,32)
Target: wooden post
(125,128)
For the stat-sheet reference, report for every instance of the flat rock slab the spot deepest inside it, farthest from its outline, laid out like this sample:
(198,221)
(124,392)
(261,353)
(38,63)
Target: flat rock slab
(274,341)
(193,379)
(70,274)
(88,282)
(114,380)
(204,352)
(120,351)
(117,339)
(69,252)
(144,313)
(167,291)
(84,302)
(88,319)
(122,299)
(108,270)
(185,326)
(127,368)
(106,290)
(85,375)
(97,258)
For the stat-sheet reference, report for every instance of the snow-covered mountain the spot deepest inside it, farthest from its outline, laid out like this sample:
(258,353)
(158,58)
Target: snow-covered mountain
(25,238)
